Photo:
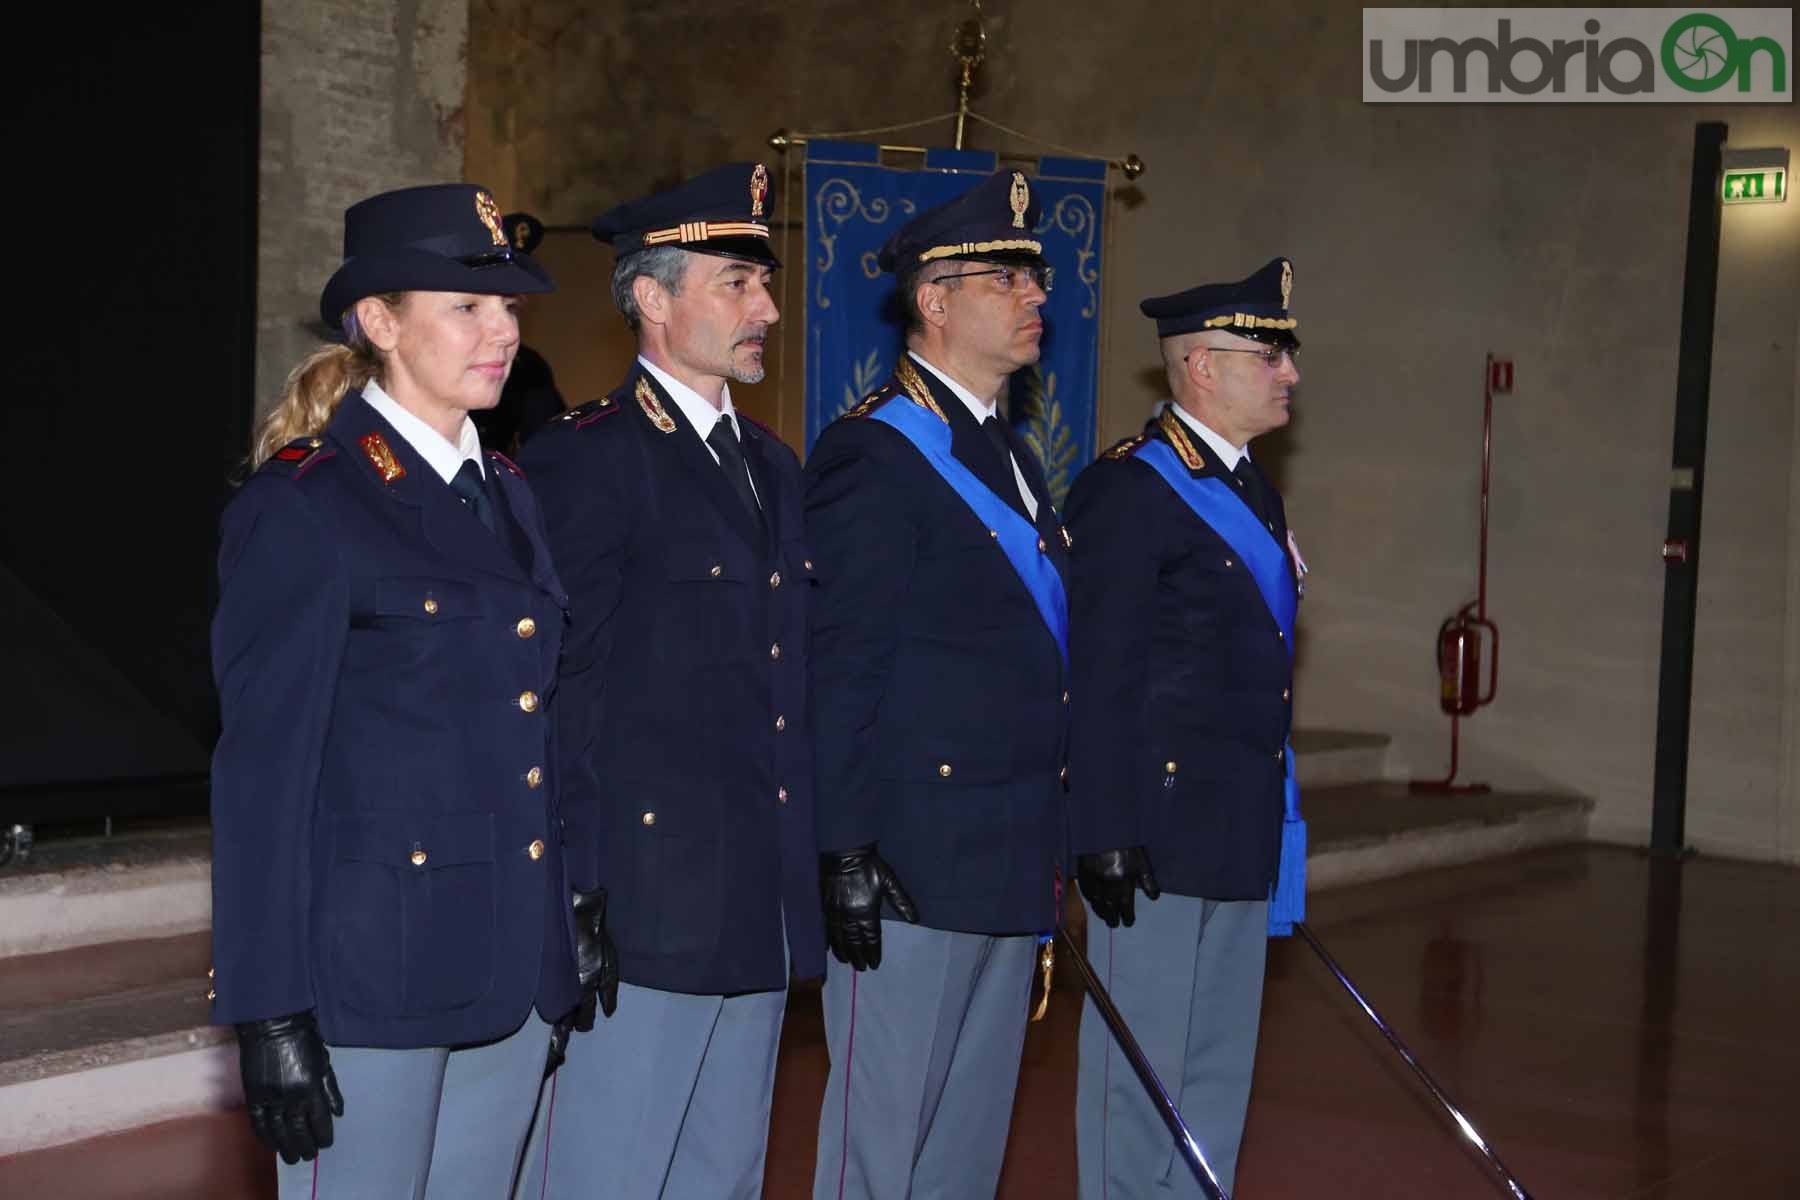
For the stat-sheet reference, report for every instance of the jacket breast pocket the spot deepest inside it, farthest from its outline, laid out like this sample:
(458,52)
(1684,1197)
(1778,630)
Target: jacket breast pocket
(410,911)
(426,599)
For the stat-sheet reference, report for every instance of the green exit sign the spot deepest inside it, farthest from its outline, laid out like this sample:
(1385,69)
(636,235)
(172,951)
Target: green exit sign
(1755,186)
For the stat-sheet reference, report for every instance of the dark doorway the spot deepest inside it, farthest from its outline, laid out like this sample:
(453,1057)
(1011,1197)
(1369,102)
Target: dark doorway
(133,148)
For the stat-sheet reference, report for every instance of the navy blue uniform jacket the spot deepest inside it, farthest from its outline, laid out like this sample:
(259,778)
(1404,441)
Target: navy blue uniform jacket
(383,793)
(685,731)
(1182,680)
(941,698)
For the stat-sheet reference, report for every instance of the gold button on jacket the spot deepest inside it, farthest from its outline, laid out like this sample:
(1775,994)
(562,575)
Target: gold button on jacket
(528,701)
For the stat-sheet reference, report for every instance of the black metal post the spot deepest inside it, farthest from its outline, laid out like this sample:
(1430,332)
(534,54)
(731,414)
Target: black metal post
(1681,550)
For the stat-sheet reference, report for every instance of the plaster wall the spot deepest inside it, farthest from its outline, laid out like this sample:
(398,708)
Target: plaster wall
(357,98)
(1422,236)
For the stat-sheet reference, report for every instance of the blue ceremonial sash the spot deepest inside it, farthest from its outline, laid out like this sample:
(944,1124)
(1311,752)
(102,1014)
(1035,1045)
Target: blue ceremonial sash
(1267,562)
(1017,536)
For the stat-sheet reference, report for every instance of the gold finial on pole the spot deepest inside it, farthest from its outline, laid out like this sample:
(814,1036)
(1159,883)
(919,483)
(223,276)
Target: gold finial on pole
(1132,167)
(968,45)
(780,140)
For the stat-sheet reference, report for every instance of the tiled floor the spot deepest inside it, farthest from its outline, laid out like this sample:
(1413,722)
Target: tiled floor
(1616,1027)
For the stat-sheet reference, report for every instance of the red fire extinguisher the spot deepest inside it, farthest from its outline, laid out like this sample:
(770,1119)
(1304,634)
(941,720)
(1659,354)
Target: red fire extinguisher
(1460,645)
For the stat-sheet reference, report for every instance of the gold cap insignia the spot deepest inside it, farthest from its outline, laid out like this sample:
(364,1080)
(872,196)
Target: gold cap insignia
(759,189)
(489,212)
(1287,281)
(1020,199)
(646,398)
(376,447)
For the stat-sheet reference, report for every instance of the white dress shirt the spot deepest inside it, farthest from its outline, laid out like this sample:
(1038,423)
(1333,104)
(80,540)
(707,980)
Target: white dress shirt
(443,457)
(700,414)
(982,412)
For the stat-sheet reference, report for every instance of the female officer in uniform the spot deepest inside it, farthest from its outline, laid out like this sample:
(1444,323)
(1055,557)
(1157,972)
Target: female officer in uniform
(391,926)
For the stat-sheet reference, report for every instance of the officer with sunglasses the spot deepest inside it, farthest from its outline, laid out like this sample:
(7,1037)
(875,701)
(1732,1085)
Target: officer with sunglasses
(1183,587)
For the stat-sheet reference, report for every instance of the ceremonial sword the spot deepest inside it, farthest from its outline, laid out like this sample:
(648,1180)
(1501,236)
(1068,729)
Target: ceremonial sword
(1463,1124)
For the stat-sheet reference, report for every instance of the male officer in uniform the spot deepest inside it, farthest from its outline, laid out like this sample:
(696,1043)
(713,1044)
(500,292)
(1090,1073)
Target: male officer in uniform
(939,670)
(677,526)
(1181,605)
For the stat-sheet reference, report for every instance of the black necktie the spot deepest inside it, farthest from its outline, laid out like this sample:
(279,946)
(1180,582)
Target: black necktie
(467,484)
(1251,488)
(996,435)
(723,440)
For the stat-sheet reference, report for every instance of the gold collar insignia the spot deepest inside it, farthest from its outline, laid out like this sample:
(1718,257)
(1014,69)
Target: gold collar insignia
(1184,445)
(376,447)
(908,377)
(646,398)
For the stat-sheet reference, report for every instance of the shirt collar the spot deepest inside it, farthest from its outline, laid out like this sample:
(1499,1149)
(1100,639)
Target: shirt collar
(1228,454)
(701,415)
(977,409)
(440,455)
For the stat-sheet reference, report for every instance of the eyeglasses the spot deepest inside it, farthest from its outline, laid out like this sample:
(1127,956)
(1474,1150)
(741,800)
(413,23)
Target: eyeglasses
(1011,277)
(1272,356)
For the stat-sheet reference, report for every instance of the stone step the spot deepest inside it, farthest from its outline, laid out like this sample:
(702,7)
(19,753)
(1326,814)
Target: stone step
(88,891)
(1330,757)
(101,1038)
(1367,831)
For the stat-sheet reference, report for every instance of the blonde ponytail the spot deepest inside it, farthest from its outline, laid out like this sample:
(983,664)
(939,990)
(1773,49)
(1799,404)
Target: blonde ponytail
(317,386)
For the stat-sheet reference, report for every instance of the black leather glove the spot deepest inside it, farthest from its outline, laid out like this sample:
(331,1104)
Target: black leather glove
(596,959)
(288,1085)
(1110,880)
(854,882)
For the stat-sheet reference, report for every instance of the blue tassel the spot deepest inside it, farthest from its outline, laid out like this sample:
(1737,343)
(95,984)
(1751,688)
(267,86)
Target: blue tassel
(1287,899)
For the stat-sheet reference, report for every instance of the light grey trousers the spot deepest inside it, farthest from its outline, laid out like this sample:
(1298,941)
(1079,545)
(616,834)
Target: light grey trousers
(429,1124)
(924,1062)
(667,1098)
(1187,978)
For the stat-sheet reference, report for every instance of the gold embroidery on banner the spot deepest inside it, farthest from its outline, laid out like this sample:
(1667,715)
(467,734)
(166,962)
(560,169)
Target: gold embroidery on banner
(1019,198)
(908,377)
(489,212)
(1178,437)
(376,447)
(1287,281)
(759,189)
(646,398)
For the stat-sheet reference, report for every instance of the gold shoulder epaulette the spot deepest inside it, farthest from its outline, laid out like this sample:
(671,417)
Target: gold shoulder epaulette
(873,401)
(1126,448)
(593,410)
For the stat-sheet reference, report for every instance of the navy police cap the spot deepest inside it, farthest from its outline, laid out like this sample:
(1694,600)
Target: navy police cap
(1256,307)
(725,212)
(994,219)
(443,237)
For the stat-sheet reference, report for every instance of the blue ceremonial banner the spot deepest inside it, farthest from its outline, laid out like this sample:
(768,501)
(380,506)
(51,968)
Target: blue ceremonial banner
(854,203)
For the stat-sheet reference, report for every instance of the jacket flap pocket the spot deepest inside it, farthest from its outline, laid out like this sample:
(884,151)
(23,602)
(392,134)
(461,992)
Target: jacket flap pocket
(427,599)
(415,840)
(705,560)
